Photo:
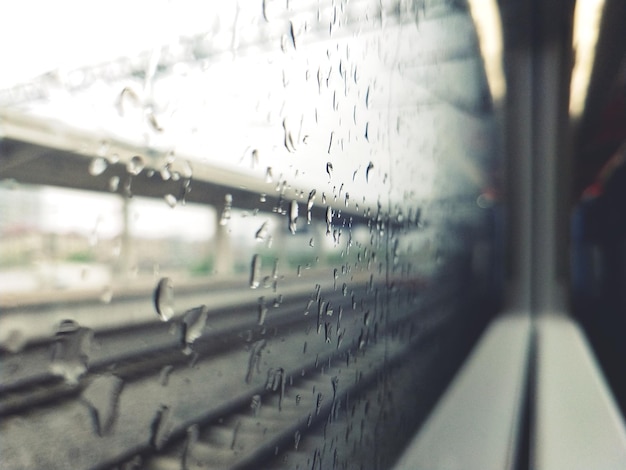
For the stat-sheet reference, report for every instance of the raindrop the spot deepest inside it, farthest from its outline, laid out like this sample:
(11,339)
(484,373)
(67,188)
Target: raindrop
(185,189)
(164,375)
(293,216)
(102,397)
(186,169)
(97,166)
(367,98)
(192,438)
(309,205)
(263,197)
(261,233)
(367,131)
(329,169)
(171,200)
(335,384)
(318,403)
(296,439)
(262,311)
(275,270)
(330,143)
(135,165)
(152,120)
(269,177)
(347,198)
(276,381)
(165,172)
(193,325)
(265,11)
(370,166)
(161,427)
(289,140)
(311,243)
(114,183)
(235,433)
(70,354)
(255,272)
(226,213)
(254,361)
(164,298)
(255,404)
(127,94)
(329,219)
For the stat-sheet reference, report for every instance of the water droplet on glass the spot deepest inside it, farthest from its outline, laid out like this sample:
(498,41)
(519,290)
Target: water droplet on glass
(186,169)
(165,172)
(97,166)
(262,311)
(193,434)
(311,243)
(161,427)
(101,397)
(329,220)
(254,361)
(193,325)
(135,165)
(70,354)
(329,170)
(269,177)
(309,206)
(293,216)
(370,166)
(318,403)
(164,375)
(170,200)
(347,199)
(289,140)
(114,183)
(255,404)
(261,233)
(164,298)
(296,440)
(226,212)
(264,7)
(255,272)
(292,33)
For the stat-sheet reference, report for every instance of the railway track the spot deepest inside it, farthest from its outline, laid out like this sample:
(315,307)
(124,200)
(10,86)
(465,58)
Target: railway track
(233,389)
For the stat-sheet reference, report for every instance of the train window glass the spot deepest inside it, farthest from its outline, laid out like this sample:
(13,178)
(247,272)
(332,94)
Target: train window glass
(257,232)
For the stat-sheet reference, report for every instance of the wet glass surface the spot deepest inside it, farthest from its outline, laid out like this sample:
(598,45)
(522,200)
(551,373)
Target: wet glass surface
(277,225)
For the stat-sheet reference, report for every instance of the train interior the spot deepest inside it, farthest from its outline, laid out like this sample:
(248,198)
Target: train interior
(299,234)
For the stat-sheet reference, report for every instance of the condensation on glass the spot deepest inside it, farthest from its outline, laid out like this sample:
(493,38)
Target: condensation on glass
(269,236)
